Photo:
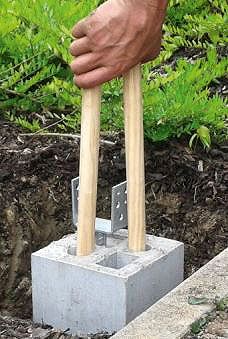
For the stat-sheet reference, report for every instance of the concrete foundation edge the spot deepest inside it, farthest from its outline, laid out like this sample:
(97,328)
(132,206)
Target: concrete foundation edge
(172,316)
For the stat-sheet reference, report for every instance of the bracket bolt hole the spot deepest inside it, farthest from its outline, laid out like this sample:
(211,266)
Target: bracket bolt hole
(118,204)
(121,217)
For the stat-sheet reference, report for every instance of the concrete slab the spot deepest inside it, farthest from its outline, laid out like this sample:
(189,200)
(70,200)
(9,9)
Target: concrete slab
(172,316)
(106,290)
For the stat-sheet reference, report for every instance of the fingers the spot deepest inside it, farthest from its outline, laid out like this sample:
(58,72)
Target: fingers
(80,29)
(85,63)
(80,46)
(94,78)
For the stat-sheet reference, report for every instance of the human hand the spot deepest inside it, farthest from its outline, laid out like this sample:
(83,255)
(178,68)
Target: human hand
(116,37)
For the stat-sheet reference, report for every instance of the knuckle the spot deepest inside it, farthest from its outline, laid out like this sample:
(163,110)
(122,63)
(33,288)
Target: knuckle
(81,82)
(78,81)
(75,81)
(72,48)
(71,66)
(74,67)
(140,21)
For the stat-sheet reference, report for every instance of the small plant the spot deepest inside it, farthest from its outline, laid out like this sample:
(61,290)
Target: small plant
(222,305)
(21,121)
(203,134)
(198,325)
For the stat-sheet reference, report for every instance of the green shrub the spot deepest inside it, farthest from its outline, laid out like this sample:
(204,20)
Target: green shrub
(176,104)
(35,77)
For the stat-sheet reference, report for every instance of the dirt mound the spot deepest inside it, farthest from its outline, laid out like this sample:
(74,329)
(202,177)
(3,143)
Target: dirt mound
(186,199)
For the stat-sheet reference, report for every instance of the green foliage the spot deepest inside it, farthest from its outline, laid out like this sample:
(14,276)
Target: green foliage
(202,133)
(194,24)
(35,80)
(34,56)
(198,325)
(176,104)
(21,121)
(222,305)
(181,104)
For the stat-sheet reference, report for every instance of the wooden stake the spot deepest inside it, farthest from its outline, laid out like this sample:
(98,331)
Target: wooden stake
(89,151)
(134,140)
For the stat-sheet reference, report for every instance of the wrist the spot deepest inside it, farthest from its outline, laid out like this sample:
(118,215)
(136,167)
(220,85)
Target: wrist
(159,4)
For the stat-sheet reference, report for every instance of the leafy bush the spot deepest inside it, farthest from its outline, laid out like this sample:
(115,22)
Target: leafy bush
(176,104)
(182,105)
(36,83)
(34,55)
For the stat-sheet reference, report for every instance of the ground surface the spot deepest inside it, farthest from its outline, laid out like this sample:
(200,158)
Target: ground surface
(186,199)
(15,328)
(212,326)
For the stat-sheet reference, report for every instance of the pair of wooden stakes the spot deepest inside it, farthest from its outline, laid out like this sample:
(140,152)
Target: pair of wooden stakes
(89,153)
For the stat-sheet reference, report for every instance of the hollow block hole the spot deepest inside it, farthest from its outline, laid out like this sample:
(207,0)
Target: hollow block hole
(117,260)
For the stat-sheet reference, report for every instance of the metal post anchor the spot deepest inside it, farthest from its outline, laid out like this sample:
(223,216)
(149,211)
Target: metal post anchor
(104,227)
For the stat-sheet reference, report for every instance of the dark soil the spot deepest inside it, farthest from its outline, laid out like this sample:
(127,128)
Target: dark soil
(15,328)
(186,200)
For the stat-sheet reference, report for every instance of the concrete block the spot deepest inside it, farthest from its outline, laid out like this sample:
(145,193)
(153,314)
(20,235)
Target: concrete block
(106,290)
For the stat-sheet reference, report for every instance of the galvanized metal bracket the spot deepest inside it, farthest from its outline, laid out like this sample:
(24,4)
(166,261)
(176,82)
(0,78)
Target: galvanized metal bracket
(103,227)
